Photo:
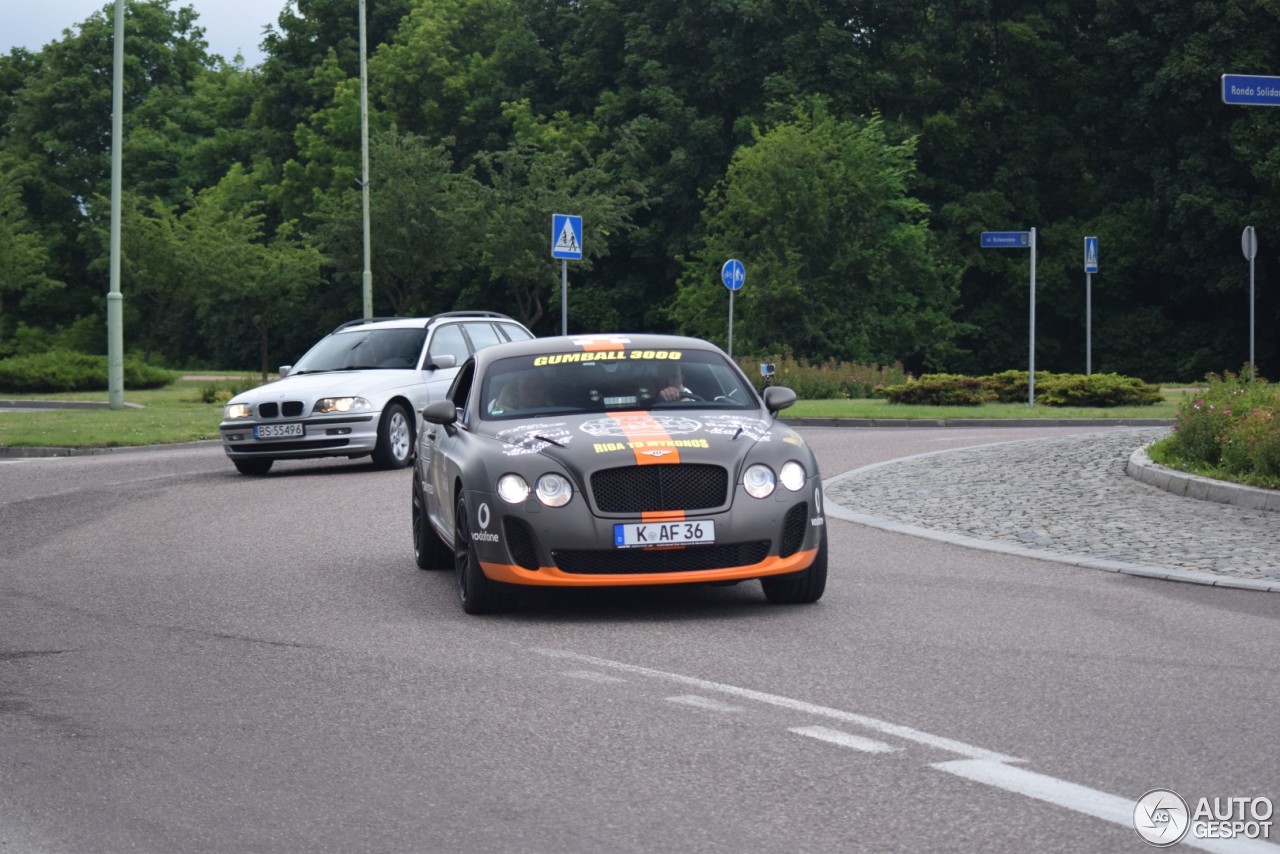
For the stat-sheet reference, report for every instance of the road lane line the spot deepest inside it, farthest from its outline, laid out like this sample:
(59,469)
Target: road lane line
(593,676)
(704,703)
(1081,799)
(844,739)
(884,727)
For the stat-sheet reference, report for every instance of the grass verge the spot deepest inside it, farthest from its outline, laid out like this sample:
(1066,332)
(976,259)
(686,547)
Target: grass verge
(178,413)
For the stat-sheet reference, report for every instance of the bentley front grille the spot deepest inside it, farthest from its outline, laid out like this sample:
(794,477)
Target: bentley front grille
(644,489)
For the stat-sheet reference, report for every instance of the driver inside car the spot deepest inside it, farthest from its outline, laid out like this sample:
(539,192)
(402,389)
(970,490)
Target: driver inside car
(674,387)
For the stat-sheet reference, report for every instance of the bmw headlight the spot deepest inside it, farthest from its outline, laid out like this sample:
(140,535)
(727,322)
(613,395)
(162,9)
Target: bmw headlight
(554,490)
(512,488)
(327,405)
(239,410)
(792,476)
(758,481)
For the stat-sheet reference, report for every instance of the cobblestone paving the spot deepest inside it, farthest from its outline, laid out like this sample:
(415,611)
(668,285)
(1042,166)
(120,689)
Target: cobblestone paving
(1068,496)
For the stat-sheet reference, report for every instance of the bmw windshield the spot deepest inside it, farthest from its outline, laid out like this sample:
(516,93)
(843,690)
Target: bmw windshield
(373,348)
(569,383)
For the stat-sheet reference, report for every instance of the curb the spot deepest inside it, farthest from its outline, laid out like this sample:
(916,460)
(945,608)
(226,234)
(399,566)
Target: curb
(63,404)
(32,452)
(977,422)
(1140,467)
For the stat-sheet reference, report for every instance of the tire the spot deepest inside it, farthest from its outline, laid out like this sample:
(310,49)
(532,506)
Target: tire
(476,592)
(253,465)
(395,439)
(429,550)
(803,587)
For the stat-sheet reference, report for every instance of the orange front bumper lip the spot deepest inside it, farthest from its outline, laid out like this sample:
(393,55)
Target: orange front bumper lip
(550,576)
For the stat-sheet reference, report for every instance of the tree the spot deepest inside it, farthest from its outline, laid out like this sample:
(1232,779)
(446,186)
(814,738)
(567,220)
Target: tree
(23,258)
(424,224)
(549,169)
(243,281)
(839,257)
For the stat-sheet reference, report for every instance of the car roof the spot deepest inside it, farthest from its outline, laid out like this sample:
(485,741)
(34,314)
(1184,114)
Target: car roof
(592,343)
(419,322)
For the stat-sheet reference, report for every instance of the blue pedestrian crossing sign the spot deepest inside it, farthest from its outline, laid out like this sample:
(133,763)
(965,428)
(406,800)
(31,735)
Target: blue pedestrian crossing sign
(1091,254)
(566,237)
(733,274)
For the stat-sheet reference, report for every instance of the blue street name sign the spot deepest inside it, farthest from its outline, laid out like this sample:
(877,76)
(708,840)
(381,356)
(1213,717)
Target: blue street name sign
(566,237)
(1251,90)
(1006,240)
(733,274)
(1091,254)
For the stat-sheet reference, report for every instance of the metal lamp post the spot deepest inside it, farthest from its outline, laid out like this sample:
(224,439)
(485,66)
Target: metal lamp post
(367,276)
(115,302)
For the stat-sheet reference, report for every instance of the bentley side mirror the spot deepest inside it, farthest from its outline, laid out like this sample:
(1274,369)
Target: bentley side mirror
(441,412)
(778,397)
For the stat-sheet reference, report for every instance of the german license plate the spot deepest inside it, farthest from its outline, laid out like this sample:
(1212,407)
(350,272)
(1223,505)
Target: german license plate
(276,431)
(641,535)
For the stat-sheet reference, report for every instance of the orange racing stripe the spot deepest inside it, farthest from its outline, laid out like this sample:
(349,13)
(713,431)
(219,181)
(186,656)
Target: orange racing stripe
(649,440)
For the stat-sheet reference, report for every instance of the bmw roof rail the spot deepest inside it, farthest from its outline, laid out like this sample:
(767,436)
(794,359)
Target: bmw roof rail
(361,320)
(496,314)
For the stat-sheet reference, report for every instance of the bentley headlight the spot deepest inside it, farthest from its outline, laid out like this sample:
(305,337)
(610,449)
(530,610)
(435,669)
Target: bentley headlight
(512,488)
(554,490)
(759,481)
(239,410)
(792,476)
(327,405)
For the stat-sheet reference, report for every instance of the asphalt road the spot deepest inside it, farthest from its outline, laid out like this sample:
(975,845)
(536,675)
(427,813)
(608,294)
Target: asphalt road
(196,661)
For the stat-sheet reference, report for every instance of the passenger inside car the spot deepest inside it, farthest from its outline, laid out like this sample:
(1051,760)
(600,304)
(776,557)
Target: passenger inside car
(526,390)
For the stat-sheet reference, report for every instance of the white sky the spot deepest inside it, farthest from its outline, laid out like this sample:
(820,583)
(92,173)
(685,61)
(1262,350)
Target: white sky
(230,26)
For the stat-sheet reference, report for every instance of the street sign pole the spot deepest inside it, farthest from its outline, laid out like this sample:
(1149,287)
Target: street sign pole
(1031,372)
(734,276)
(730,324)
(1249,245)
(566,244)
(1090,267)
(1088,324)
(1020,240)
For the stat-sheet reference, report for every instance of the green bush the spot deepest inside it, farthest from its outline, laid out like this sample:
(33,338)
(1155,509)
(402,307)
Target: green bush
(1232,427)
(1095,390)
(1013,386)
(64,371)
(1100,390)
(825,380)
(940,390)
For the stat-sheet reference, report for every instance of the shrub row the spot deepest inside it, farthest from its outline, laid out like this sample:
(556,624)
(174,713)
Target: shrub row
(1234,427)
(62,370)
(823,380)
(1097,390)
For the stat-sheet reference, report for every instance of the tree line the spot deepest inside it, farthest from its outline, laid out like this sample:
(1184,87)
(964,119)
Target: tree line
(849,153)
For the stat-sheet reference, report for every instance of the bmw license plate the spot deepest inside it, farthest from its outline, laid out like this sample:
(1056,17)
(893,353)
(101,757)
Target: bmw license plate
(648,534)
(276,431)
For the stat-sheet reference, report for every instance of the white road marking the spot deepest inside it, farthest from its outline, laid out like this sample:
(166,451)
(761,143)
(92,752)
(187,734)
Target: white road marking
(844,739)
(593,676)
(1077,798)
(704,703)
(884,727)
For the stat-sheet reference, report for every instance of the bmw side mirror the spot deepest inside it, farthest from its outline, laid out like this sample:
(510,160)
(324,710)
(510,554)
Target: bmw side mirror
(440,362)
(440,412)
(284,370)
(778,397)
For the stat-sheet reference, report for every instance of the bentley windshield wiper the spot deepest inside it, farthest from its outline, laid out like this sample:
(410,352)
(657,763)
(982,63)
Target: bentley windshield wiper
(548,440)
